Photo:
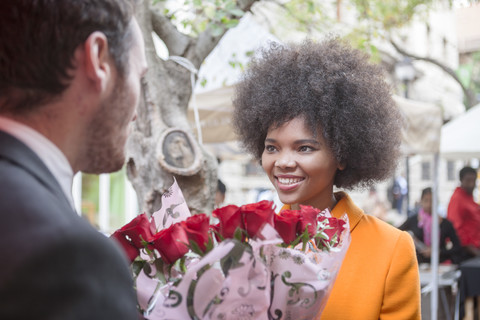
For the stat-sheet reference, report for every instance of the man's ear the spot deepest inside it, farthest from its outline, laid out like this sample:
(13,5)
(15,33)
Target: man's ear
(97,60)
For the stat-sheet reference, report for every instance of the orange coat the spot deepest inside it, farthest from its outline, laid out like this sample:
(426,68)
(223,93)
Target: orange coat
(379,277)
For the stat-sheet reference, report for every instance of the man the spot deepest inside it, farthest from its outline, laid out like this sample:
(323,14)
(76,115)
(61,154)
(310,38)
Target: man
(70,76)
(464,212)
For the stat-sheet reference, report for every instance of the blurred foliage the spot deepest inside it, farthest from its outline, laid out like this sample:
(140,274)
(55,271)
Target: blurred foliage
(390,14)
(90,199)
(374,18)
(469,73)
(194,16)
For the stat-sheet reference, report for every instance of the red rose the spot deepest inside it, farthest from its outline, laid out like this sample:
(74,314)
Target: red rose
(255,215)
(196,227)
(334,226)
(131,251)
(139,228)
(216,231)
(171,243)
(230,219)
(308,219)
(286,224)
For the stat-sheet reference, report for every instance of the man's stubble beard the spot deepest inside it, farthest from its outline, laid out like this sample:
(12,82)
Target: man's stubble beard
(106,136)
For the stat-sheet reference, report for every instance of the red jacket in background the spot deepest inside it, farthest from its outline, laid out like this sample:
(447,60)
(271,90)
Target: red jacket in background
(464,213)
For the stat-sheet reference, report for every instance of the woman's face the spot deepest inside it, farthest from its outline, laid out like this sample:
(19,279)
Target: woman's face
(300,165)
(426,203)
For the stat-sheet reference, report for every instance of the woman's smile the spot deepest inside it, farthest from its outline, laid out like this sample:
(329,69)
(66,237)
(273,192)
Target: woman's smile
(287,183)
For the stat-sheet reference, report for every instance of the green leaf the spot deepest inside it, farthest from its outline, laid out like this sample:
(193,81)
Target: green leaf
(182,266)
(219,15)
(238,234)
(232,23)
(137,266)
(305,238)
(210,245)
(237,12)
(217,30)
(229,5)
(232,259)
(196,248)
(147,268)
(159,265)
(202,25)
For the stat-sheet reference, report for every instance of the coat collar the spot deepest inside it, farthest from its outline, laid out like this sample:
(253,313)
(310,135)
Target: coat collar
(345,205)
(19,154)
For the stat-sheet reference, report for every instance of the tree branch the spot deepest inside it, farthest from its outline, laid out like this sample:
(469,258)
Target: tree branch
(469,96)
(206,42)
(176,42)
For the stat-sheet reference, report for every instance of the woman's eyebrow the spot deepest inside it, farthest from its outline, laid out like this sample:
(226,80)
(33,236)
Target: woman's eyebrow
(311,141)
(300,141)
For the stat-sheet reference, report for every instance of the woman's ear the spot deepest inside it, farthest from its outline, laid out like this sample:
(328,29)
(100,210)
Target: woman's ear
(341,166)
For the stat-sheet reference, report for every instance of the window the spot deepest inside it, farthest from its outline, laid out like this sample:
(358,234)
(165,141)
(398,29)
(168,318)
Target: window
(426,170)
(450,170)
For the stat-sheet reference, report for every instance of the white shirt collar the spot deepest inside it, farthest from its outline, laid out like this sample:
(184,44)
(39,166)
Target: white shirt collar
(48,152)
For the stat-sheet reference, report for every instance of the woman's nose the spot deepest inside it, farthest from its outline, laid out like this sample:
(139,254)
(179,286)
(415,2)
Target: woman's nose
(285,160)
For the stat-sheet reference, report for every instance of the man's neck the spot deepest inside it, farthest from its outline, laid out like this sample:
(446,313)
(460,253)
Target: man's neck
(53,127)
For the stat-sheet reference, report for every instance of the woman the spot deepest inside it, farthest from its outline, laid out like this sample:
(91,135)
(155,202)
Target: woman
(319,115)
(421,227)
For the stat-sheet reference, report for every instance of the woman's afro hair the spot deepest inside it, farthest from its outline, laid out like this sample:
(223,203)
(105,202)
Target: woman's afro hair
(336,90)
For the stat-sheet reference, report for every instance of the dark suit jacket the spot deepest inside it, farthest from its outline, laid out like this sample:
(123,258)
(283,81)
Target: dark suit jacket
(53,264)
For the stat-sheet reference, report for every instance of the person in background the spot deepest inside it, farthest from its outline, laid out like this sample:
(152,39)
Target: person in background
(220,193)
(70,80)
(420,226)
(319,115)
(400,190)
(464,213)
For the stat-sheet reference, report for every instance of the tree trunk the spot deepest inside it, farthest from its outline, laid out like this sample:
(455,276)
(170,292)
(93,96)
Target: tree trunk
(163,108)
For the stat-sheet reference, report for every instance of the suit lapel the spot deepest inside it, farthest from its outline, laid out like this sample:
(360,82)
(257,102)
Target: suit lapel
(16,152)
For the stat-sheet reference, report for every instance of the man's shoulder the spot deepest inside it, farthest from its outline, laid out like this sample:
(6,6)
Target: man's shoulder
(33,217)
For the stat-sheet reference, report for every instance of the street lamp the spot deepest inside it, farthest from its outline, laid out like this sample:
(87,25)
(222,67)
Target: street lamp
(405,72)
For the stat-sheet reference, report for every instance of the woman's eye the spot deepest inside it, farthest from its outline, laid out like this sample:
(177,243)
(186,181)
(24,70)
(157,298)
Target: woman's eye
(269,148)
(305,149)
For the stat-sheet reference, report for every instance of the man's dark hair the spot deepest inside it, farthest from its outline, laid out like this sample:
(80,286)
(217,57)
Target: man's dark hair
(38,39)
(467,170)
(339,94)
(221,187)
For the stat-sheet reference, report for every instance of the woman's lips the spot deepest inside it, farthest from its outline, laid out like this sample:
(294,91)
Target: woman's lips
(288,183)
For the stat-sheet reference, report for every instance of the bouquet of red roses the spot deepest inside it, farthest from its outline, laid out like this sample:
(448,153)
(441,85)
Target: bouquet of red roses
(245,262)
